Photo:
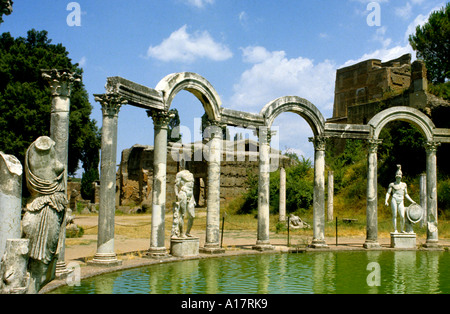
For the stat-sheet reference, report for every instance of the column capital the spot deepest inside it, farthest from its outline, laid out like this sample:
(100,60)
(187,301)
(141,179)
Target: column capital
(160,118)
(319,142)
(110,103)
(373,145)
(264,134)
(60,81)
(213,129)
(431,146)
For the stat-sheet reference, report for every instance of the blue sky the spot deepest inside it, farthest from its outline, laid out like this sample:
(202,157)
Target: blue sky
(251,51)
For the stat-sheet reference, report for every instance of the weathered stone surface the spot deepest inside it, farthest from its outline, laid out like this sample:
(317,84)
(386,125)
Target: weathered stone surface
(14,278)
(184,247)
(403,240)
(45,210)
(365,82)
(110,105)
(10,199)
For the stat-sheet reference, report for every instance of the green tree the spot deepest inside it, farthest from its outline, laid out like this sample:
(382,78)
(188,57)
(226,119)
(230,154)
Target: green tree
(432,43)
(173,123)
(25,100)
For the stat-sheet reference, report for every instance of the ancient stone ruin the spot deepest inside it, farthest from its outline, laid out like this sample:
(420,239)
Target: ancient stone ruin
(145,172)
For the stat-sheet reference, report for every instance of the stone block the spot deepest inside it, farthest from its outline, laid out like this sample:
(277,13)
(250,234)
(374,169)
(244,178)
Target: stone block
(184,247)
(403,240)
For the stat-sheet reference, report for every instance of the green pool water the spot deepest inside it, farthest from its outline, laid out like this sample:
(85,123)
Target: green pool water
(363,272)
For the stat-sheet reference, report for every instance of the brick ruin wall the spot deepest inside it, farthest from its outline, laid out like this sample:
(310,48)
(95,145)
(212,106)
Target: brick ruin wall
(135,175)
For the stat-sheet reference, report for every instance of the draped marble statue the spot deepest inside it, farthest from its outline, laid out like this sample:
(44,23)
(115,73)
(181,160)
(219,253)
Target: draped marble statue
(185,204)
(45,210)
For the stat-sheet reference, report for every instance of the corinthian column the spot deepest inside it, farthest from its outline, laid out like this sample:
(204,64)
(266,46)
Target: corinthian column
(319,192)
(105,255)
(432,217)
(161,121)
(262,241)
(61,82)
(213,156)
(372,196)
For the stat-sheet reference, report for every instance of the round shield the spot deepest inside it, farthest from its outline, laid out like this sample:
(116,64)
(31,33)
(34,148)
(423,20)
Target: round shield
(414,213)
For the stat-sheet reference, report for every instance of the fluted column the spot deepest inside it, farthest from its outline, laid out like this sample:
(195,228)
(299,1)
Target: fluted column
(111,104)
(432,214)
(61,82)
(213,156)
(263,241)
(372,196)
(161,121)
(319,192)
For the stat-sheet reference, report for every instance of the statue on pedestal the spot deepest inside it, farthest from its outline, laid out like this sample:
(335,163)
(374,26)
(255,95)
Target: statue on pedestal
(185,204)
(45,210)
(399,192)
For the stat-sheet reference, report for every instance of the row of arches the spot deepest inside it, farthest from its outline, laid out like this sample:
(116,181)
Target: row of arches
(172,84)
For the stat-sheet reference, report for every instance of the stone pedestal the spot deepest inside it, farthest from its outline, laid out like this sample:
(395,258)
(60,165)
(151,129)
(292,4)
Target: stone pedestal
(263,247)
(184,247)
(403,240)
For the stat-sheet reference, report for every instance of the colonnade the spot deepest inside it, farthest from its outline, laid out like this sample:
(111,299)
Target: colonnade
(161,114)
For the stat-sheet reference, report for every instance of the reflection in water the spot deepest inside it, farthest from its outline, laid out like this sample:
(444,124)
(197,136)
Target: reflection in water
(317,272)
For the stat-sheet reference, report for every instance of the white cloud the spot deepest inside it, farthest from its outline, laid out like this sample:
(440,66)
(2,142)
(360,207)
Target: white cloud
(82,62)
(383,54)
(405,11)
(184,47)
(198,3)
(419,20)
(274,75)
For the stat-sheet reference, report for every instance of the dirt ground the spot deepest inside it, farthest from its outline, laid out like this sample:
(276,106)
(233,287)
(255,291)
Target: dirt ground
(85,247)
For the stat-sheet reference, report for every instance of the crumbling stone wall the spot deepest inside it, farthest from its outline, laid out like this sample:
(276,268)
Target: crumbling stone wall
(135,173)
(365,82)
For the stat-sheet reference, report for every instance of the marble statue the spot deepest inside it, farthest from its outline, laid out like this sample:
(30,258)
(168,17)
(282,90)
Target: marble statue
(45,210)
(398,190)
(296,222)
(185,204)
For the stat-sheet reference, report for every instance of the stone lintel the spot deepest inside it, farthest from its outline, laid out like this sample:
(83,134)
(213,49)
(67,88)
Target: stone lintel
(136,94)
(241,119)
(340,130)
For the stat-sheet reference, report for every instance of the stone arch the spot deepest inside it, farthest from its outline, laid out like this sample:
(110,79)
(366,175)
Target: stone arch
(195,84)
(298,105)
(402,113)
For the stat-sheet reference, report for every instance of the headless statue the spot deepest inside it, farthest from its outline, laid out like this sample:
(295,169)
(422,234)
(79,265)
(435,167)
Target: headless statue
(45,210)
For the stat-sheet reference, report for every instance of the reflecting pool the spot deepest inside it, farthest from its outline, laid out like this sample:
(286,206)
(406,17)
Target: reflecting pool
(316,272)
